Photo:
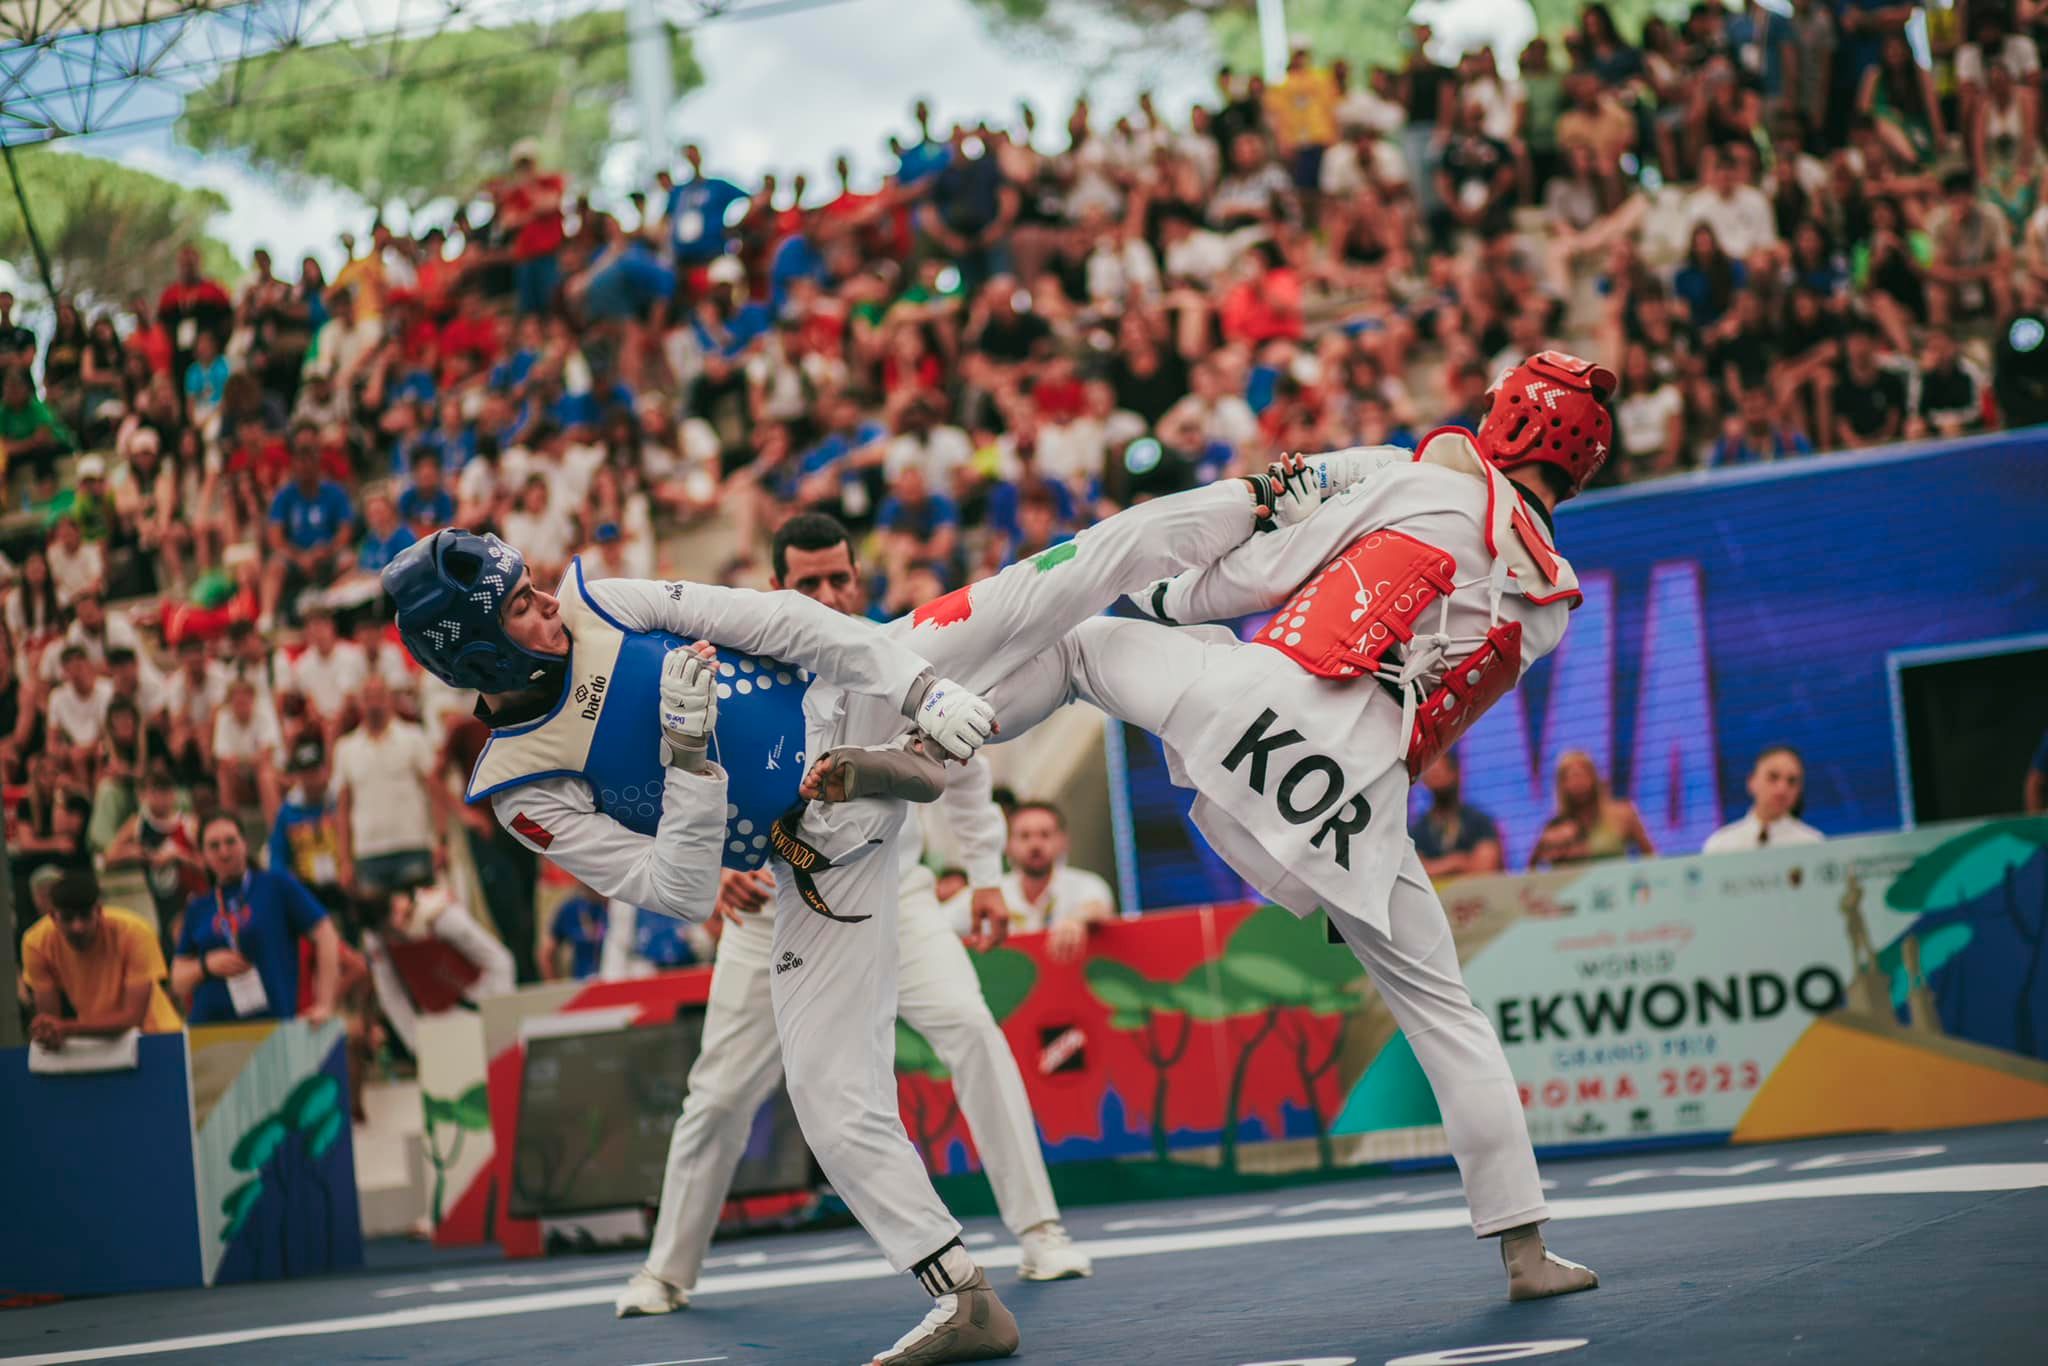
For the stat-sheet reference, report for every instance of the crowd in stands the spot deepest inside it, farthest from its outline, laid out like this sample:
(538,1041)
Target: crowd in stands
(1785,235)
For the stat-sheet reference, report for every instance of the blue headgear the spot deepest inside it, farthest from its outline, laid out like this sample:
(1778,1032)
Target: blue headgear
(449,590)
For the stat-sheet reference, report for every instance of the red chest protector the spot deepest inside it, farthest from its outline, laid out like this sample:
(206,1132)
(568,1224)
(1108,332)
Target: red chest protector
(1366,614)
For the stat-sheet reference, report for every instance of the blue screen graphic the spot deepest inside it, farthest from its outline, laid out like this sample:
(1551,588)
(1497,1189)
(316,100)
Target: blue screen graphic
(1724,613)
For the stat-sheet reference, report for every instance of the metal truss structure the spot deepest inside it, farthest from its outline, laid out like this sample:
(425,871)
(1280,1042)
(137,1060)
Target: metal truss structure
(69,68)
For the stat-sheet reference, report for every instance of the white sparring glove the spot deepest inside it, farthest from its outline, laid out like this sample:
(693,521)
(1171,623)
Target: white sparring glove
(689,707)
(958,720)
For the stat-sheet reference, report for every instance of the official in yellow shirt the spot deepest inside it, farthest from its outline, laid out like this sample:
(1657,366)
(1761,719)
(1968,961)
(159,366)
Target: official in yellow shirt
(105,962)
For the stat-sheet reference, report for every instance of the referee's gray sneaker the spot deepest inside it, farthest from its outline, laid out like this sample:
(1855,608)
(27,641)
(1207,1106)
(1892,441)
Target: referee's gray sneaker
(966,1324)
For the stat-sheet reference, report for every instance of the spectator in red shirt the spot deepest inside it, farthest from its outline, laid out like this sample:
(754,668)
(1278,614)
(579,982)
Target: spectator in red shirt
(529,206)
(192,304)
(150,339)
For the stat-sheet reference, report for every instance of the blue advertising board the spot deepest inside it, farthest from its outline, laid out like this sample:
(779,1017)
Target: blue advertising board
(1724,613)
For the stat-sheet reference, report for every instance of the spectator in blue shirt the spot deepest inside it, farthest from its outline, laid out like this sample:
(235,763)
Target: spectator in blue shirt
(1754,435)
(305,840)
(206,378)
(970,212)
(697,212)
(1040,526)
(453,438)
(384,535)
(925,159)
(578,926)
(238,951)
(917,526)
(425,505)
(1453,839)
(312,524)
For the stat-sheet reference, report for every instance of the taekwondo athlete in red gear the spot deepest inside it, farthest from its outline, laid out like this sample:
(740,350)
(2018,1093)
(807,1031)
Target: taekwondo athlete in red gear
(1408,604)
(838,888)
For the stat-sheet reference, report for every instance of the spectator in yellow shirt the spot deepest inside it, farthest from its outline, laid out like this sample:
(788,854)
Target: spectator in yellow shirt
(1302,112)
(103,962)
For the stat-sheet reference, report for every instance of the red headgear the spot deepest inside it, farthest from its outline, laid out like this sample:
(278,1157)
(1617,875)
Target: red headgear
(1550,410)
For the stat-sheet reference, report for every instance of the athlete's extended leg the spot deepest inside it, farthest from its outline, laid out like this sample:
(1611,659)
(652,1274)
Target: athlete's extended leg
(1414,966)
(735,1073)
(981,633)
(940,997)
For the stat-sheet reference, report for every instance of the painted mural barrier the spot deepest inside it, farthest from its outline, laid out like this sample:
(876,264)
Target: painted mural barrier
(1884,983)
(225,1155)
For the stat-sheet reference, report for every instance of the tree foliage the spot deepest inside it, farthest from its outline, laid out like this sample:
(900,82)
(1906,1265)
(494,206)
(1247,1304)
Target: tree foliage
(416,119)
(1366,33)
(110,230)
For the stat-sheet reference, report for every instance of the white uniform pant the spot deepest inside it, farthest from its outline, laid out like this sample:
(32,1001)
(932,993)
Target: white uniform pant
(741,1064)
(1136,671)
(834,983)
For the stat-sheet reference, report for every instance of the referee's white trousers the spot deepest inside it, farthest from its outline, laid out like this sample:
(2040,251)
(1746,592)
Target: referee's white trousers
(741,1063)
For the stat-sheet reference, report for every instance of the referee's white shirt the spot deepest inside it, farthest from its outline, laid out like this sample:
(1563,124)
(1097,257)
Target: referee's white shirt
(1751,833)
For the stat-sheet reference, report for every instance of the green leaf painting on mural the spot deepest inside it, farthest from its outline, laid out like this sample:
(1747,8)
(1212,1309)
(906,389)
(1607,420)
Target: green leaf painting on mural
(469,1113)
(1137,1004)
(256,1147)
(419,118)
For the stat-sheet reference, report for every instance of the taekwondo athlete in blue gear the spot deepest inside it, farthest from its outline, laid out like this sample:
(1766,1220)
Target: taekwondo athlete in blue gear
(608,756)
(572,688)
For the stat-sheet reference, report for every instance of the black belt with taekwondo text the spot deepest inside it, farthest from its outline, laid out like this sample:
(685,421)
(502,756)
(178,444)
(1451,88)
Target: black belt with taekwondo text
(804,860)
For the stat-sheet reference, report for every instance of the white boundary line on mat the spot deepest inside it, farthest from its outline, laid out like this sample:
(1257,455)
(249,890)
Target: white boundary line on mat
(1944,1180)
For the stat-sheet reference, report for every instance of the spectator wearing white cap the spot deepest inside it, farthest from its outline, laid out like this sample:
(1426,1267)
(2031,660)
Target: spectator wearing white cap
(1777,787)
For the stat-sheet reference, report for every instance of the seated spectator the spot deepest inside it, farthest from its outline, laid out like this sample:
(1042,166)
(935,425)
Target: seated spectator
(425,505)
(95,971)
(247,746)
(1948,391)
(48,829)
(1970,271)
(312,524)
(194,691)
(1754,434)
(128,749)
(206,379)
(1649,421)
(1709,280)
(1256,191)
(305,840)
(1042,891)
(384,534)
(1597,123)
(541,527)
(163,841)
(1870,400)
(77,717)
(33,613)
(1777,788)
(31,435)
(1453,838)
(1808,350)
(327,672)
(78,566)
(578,928)
(916,525)
(1475,182)
(238,950)
(1590,824)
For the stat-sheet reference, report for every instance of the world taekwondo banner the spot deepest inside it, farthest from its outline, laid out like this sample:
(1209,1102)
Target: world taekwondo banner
(1723,613)
(1894,981)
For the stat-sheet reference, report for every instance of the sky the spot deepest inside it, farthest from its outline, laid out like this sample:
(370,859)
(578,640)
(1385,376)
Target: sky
(789,92)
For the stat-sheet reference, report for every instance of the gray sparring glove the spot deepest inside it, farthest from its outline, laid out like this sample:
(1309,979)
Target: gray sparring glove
(689,707)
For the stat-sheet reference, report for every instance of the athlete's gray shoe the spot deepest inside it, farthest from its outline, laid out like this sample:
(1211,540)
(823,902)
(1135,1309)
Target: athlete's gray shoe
(968,1324)
(1537,1273)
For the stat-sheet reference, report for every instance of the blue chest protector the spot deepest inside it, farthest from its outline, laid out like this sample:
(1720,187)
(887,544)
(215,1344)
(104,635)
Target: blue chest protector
(605,730)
